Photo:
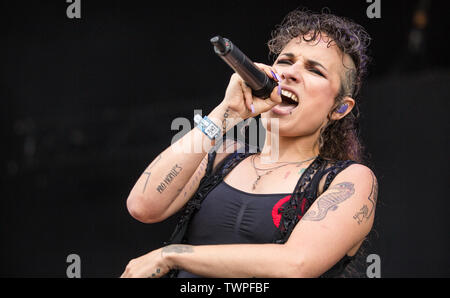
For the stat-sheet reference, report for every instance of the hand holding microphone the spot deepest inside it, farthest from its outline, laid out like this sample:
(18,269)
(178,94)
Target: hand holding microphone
(253,89)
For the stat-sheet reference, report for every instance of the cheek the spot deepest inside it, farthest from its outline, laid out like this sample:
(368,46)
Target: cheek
(316,87)
(318,100)
(307,122)
(317,107)
(311,115)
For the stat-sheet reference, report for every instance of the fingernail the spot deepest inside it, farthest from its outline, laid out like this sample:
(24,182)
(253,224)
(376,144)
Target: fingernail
(274,76)
(279,90)
(253,108)
(278,77)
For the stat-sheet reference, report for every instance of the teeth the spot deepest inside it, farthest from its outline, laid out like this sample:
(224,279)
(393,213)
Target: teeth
(290,95)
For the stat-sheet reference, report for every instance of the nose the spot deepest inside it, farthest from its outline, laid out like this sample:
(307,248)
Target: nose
(291,74)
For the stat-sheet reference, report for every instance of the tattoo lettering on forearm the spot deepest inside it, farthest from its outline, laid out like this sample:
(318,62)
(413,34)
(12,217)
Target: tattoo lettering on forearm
(329,201)
(364,212)
(225,121)
(178,248)
(169,178)
(148,173)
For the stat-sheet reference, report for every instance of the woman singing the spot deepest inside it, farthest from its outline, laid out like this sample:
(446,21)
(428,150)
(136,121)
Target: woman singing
(245,214)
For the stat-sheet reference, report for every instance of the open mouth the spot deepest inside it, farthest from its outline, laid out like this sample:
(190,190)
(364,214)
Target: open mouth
(289,98)
(289,102)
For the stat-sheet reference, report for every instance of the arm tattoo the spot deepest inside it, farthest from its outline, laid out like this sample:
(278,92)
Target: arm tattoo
(146,181)
(287,175)
(178,248)
(169,178)
(225,121)
(199,173)
(364,212)
(148,172)
(373,196)
(156,273)
(329,201)
(361,214)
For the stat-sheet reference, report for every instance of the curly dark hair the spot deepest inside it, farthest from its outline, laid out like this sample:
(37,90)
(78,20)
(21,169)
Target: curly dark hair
(338,139)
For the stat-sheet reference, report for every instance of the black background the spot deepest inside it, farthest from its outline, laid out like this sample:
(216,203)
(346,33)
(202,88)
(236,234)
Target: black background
(87,103)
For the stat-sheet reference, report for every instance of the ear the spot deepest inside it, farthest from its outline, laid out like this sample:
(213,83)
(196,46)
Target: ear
(343,108)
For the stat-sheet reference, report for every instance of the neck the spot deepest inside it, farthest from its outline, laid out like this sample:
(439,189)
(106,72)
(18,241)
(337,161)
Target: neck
(289,149)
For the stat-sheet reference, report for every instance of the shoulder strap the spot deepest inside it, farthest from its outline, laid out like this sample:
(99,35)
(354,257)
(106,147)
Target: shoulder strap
(298,203)
(209,181)
(334,170)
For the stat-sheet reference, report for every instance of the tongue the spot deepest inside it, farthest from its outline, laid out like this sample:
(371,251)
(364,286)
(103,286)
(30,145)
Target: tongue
(285,107)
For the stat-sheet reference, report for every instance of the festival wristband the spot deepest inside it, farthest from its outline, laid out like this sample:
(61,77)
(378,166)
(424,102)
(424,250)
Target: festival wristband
(209,128)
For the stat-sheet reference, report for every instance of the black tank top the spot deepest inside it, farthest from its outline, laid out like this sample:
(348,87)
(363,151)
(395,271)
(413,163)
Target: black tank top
(221,214)
(231,216)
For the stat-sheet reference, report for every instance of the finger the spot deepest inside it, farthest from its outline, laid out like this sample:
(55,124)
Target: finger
(126,274)
(275,96)
(263,105)
(248,97)
(269,71)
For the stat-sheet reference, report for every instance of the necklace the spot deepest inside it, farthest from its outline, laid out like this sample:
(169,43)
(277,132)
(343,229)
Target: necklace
(270,170)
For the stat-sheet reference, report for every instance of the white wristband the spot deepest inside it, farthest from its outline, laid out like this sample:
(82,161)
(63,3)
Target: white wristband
(209,128)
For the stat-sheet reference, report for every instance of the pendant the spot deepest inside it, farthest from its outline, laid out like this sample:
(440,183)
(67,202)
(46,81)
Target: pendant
(256,182)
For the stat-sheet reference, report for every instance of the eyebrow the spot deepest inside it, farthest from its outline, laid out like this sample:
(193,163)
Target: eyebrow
(307,61)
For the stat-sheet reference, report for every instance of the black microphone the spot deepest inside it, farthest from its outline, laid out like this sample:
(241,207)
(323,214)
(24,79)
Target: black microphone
(256,79)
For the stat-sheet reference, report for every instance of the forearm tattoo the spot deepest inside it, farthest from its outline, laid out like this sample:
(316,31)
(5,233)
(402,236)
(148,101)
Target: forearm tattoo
(197,176)
(148,173)
(365,213)
(178,248)
(146,180)
(330,200)
(225,121)
(169,178)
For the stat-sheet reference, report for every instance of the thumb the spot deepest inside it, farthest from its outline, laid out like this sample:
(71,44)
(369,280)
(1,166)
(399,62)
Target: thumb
(263,105)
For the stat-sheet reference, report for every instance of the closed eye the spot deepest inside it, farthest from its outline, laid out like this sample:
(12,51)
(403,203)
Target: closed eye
(311,69)
(316,71)
(288,62)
